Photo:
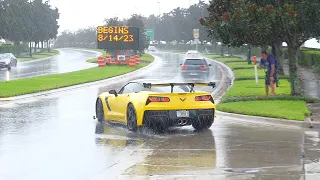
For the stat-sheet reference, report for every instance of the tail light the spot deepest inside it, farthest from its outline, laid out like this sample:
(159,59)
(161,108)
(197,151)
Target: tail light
(203,98)
(157,99)
(203,67)
(184,67)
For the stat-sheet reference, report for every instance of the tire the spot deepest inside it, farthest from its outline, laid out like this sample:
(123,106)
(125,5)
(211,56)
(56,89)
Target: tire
(9,67)
(131,118)
(202,125)
(99,110)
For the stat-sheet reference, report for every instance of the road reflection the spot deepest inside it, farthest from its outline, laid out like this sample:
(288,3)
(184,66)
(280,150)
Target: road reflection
(178,150)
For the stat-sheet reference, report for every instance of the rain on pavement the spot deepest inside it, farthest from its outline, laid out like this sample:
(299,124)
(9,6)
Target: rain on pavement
(57,138)
(68,60)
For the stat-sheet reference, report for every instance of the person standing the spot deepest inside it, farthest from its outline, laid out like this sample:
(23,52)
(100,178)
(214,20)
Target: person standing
(269,61)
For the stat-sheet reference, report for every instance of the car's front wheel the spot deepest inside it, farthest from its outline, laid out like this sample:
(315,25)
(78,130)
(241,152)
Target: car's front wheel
(99,110)
(131,118)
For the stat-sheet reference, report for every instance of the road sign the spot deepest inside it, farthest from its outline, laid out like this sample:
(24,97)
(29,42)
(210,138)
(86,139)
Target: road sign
(150,34)
(118,37)
(196,33)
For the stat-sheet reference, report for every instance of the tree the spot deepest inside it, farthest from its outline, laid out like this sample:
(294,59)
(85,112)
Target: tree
(138,21)
(264,23)
(28,21)
(113,21)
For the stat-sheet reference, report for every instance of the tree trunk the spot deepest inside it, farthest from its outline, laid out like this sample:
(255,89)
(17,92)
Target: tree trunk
(35,47)
(48,45)
(277,53)
(222,54)
(41,45)
(249,54)
(230,51)
(30,49)
(293,70)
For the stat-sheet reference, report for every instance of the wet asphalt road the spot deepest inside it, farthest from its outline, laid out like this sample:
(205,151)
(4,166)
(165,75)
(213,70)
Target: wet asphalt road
(68,60)
(57,138)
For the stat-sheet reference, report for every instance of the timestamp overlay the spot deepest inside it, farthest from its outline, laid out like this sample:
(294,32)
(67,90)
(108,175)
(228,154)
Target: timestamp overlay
(118,37)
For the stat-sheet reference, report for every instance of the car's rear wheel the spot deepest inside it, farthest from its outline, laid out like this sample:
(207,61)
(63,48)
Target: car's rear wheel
(99,110)
(131,118)
(202,124)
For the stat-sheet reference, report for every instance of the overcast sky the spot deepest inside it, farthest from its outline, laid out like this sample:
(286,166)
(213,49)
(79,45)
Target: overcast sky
(76,14)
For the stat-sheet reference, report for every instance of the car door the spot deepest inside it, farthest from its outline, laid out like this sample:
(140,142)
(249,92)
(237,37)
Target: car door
(123,99)
(118,104)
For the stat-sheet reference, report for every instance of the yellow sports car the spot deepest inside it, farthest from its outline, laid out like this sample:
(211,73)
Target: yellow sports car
(159,105)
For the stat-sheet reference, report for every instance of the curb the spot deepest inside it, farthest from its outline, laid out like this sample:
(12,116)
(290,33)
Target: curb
(265,120)
(223,79)
(110,80)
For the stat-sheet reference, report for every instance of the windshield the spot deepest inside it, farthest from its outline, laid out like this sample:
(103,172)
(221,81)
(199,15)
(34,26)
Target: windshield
(167,89)
(195,62)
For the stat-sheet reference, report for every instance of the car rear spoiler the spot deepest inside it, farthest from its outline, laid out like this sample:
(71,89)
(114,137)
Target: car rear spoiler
(192,85)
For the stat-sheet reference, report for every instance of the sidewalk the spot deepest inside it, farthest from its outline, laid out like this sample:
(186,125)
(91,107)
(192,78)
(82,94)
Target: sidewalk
(311,87)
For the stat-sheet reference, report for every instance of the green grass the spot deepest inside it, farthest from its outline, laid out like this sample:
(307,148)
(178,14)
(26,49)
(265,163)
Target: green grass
(248,72)
(250,88)
(239,64)
(147,57)
(224,59)
(212,56)
(293,110)
(40,55)
(243,91)
(49,82)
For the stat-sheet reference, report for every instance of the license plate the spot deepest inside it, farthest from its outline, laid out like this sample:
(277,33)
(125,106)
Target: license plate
(193,74)
(182,113)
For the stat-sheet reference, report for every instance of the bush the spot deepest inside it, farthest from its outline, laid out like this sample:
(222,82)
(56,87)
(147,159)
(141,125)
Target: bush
(306,57)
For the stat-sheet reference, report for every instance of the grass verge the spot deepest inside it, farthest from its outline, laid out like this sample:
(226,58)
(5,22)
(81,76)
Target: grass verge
(40,55)
(55,81)
(293,110)
(247,97)
(49,82)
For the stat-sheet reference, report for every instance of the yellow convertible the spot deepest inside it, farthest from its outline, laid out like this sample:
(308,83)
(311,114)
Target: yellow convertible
(158,105)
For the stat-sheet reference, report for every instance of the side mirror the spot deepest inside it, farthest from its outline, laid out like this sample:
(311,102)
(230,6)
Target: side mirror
(210,64)
(114,92)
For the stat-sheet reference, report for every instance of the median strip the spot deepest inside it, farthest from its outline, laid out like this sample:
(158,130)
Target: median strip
(55,81)
(248,98)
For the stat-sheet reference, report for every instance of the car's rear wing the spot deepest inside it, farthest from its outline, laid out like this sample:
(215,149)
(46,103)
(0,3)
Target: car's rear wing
(192,85)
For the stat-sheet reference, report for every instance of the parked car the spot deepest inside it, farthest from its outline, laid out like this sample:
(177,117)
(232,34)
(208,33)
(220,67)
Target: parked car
(8,60)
